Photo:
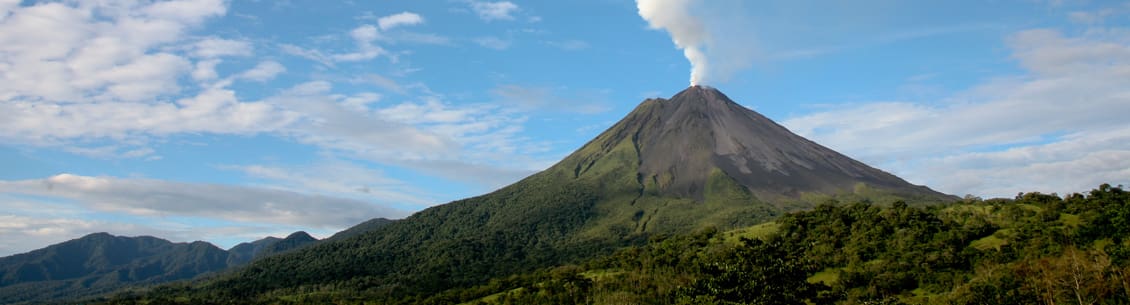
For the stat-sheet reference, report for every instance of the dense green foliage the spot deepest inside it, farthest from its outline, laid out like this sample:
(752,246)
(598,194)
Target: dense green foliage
(1033,249)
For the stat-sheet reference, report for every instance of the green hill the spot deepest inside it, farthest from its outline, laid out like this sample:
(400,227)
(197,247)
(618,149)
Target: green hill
(1034,249)
(100,263)
(671,166)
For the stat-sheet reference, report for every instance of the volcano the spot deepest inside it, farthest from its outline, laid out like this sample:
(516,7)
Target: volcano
(671,166)
(681,142)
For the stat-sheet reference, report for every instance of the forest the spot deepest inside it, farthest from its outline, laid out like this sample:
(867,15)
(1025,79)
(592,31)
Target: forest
(1032,249)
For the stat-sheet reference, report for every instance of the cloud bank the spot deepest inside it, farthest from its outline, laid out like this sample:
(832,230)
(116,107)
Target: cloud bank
(1058,127)
(149,197)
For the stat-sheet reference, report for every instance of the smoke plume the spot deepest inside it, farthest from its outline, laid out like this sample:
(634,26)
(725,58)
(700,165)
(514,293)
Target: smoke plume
(696,28)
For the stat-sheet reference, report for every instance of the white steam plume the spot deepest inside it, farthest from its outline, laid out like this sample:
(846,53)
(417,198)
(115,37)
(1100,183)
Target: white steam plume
(693,27)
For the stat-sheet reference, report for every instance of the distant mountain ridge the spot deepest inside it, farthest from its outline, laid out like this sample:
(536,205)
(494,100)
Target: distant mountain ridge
(101,262)
(244,252)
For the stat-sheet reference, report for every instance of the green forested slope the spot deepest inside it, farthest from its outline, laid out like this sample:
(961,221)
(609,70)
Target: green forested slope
(1034,249)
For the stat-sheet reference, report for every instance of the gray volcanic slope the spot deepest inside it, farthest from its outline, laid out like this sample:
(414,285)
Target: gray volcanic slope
(681,140)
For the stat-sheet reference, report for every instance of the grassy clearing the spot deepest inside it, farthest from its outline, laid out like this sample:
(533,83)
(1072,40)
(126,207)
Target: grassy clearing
(760,231)
(828,276)
(492,299)
(995,241)
(1070,220)
(597,275)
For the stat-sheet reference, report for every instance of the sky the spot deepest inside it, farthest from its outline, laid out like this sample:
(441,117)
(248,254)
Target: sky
(228,121)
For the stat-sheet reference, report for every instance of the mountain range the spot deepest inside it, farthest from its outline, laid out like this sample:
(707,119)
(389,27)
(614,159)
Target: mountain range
(101,262)
(671,166)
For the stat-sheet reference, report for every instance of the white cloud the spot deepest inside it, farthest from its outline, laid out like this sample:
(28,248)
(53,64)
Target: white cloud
(569,45)
(117,76)
(489,11)
(490,176)
(205,70)
(186,11)
(1077,163)
(1093,17)
(364,34)
(95,50)
(213,110)
(264,71)
(340,179)
(113,152)
(492,42)
(219,47)
(328,123)
(159,198)
(469,139)
(384,82)
(420,38)
(535,98)
(1056,117)
(364,38)
(361,101)
(310,54)
(1048,53)
(112,71)
(146,78)
(6,6)
(405,18)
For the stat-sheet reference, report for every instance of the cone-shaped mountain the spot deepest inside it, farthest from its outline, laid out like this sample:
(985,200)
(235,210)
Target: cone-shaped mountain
(683,140)
(671,166)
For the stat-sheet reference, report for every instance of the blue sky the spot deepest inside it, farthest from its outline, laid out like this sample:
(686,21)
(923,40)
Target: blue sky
(229,121)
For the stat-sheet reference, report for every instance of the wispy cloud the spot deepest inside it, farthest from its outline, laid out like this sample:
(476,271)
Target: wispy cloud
(492,42)
(150,197)
(540,98)
(212,47)
(490,11)
(264,71)
(366,37)
(404,18)
(569,45)
(1065,111)
(340,179)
